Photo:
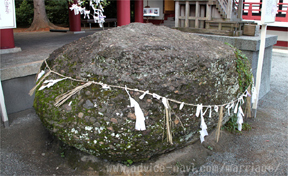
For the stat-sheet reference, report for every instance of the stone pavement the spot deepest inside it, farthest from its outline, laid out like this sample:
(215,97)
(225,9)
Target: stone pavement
(35,46)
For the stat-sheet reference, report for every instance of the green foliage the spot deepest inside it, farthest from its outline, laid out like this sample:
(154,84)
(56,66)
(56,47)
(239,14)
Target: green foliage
(57,11)
(179,165)
(62,154)
(210,148)
(232,125)
(128,162)
(243,68)
(24,12)
(111,10)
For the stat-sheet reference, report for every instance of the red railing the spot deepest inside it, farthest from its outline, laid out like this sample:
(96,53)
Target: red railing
(251,11)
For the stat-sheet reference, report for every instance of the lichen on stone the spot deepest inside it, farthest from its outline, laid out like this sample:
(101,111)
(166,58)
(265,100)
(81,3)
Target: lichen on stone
(170,63)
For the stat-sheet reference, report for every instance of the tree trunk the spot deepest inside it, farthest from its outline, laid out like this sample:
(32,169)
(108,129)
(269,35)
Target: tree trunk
(40,20)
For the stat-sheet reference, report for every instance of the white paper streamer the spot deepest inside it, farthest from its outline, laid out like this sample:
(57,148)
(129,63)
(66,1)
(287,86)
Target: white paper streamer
(164,101)
(156,96)
(105,86)
(140,119)
(216,108)
(77,9)
(40,74)
(203,133)
(254,94)
(203,126)
(240,115)
(199,110)
(205,111)
(246,93)
(50,83)
(236,107)
(97,14)
(181,106)
(239,102)
(87,13)
(210,111)
(229,106)
(143,95)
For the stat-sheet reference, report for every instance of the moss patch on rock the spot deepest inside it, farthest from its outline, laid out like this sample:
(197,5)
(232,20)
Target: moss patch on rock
(164,61)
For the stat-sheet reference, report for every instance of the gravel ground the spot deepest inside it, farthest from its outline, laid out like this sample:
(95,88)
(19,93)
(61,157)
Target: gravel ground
(28,149)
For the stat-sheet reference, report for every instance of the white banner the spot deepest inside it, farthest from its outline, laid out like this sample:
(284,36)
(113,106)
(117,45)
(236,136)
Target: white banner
(269,11)
(7,14)
(151,12)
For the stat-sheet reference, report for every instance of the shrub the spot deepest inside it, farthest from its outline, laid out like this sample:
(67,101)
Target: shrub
(57,11)
(24,13)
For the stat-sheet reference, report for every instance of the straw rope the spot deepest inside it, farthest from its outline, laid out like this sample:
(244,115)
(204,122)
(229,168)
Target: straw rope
(121,87)
(59,100)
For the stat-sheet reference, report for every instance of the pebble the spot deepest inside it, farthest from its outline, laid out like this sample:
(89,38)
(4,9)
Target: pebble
(131,116)
(114,120)
(80,114)
(67,108)
(88,104)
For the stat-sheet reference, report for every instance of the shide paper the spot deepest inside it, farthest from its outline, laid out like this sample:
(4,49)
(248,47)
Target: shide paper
(140,119)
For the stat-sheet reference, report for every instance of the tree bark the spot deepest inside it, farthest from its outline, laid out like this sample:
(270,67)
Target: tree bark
(40,20)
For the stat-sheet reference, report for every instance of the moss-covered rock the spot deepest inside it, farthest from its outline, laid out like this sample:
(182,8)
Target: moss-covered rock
(170,63)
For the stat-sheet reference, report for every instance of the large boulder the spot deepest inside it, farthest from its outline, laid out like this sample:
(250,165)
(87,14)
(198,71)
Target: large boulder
(167,62)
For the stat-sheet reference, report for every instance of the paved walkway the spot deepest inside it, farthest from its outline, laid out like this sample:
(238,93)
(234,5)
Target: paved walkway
(36,46)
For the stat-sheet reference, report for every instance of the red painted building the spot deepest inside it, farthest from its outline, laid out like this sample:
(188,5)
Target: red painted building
(252,11)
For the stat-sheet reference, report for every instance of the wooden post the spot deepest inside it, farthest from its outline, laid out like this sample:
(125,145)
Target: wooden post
(219,26)
(177,13)
(202,15)
(259,66)
(208,15)
(182,14)
(207,25)
(197,15)
(267,6)
(240,9)
(229,9)
(187,12)
(208,12)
